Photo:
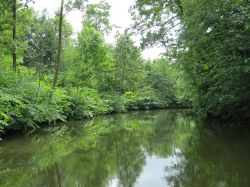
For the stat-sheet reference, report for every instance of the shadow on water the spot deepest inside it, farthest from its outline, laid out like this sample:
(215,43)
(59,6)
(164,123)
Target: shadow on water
(143,149)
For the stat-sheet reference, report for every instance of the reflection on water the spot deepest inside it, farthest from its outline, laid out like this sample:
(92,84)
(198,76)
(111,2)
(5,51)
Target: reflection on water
(142,149)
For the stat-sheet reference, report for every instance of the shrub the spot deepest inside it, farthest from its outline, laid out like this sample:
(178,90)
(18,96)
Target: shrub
(85,102)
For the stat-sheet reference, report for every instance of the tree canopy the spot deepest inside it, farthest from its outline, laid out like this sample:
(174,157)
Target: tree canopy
(210,41)
(205,64)
(88,76)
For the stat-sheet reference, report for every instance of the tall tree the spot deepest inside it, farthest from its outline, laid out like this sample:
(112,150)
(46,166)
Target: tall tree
(69,6)
(212,47)
(90,62)
(128,63)
(59,47)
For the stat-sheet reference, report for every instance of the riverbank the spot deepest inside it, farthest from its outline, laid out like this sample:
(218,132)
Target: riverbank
(27,98)
(29,111)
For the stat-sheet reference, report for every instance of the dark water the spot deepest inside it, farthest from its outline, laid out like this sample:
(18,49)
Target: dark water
(142,149)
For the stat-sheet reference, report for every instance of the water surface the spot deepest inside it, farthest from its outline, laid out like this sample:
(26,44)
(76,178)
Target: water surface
(141,149)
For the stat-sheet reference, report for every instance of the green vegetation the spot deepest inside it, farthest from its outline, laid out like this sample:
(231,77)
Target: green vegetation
(210,40)
(46,76)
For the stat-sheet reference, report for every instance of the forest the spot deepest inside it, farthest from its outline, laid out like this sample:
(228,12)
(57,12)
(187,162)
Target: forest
(47,75)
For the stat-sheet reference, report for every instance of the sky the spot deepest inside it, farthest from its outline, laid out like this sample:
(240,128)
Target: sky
(119,16)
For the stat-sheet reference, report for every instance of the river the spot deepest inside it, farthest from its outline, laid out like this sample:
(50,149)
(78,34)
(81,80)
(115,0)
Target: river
(138,149)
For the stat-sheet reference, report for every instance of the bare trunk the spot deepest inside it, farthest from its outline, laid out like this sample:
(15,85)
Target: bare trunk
(14,35)
(59,48)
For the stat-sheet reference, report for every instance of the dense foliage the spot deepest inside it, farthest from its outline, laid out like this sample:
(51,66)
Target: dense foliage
(56,77)
(210,40)
(46,75)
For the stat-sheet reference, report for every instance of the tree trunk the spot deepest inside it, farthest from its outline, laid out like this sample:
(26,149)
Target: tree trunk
(59,48)
(14,34)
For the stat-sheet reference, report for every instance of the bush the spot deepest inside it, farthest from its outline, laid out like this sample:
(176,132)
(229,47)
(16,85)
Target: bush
(25,101)
(133,99)
(11,107)
(115,102)
(85,102)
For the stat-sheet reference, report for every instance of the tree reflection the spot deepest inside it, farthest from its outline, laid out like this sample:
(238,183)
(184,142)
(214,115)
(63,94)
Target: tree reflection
(92,153)
(213,156)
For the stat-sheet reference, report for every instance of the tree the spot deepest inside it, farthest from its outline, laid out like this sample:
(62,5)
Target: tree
(97,16)
(5,27)
(212,47)
(216,57)
(161,79)
(128,59)
(157,22)
(59,47)
(17,10)
(41,47)
(90,63)
(69,6)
